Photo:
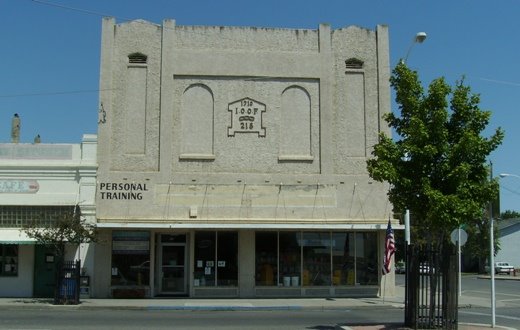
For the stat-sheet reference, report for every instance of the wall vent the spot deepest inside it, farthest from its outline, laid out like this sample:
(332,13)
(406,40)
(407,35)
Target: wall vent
(354,63)
(137,58)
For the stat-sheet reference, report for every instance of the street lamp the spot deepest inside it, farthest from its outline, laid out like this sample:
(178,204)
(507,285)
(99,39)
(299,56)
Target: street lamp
(503,175)
(492,251)
(418,39)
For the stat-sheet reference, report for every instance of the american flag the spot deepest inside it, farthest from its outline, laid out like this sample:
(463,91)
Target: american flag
(389,249)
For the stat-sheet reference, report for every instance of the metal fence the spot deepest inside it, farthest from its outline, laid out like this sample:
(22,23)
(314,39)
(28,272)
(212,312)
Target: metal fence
(431,297)
(68,280)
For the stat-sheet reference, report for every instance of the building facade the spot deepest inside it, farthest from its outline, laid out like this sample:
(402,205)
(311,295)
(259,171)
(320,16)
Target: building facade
(39,182)
(509,235)
(232,161)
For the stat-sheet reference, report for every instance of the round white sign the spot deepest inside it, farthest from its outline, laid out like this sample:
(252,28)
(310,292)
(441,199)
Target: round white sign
(455,236)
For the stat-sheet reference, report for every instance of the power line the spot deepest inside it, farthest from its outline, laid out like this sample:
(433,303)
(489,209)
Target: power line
(81,10)
(510,190)
(92,12)
(56,93)
(503,82)
(101,14)
(120,18)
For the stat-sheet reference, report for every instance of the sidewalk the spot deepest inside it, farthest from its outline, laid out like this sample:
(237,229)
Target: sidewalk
(194,304)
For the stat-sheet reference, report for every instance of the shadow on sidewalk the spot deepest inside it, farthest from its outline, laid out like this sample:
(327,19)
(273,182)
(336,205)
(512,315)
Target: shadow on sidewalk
(43,301)
(375,326)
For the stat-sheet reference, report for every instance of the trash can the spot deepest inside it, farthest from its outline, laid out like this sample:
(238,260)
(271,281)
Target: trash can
(68,288)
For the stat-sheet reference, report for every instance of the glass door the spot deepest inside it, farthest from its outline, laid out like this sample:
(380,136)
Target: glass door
(172,272)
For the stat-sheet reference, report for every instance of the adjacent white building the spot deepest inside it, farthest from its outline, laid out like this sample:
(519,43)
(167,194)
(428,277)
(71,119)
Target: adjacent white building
(509,236)
(37,183)
(232,161)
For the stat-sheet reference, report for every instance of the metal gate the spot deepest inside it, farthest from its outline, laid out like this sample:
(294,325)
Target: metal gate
(67,290)
(431,297)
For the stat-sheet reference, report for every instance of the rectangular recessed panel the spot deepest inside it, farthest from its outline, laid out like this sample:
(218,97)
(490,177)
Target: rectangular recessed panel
(355,114)
(135,111)
(317,292)
(216,292)
(276,292)
(356,292)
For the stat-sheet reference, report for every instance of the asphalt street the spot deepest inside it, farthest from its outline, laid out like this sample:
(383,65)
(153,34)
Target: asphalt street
(309,313)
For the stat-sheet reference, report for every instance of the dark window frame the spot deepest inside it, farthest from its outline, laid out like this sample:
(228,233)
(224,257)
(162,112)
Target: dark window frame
(9,262)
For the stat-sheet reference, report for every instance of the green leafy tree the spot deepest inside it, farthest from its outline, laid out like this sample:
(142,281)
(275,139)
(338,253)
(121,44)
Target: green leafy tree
(509,214)
(66,228)
(437,166)
(57,232)
(477,246)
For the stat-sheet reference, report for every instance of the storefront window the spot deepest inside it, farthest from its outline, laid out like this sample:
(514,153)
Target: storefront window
(316,259)
(343,260)
(227,258)
(266,258)
(290,258)
(216,258)
(366,259)
(8,260)
(336,258)
(205,245)
(130,258)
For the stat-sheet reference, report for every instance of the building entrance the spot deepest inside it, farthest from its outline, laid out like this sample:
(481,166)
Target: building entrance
(44,271)
(172,264)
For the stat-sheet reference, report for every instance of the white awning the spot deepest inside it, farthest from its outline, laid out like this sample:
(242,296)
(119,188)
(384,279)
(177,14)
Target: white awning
(14,236)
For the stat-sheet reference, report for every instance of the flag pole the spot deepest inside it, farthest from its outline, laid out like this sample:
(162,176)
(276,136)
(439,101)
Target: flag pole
(384,288)
(382,272)
(388,254)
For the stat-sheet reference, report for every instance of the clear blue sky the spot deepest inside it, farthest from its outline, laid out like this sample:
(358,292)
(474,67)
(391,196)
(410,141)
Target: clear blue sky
(49,54)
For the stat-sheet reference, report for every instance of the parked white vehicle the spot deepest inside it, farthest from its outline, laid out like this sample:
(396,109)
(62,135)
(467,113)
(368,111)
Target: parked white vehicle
(424,268)
(400,267)
(504,267)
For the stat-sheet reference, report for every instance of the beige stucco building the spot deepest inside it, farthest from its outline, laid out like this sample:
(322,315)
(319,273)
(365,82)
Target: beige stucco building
(232,161)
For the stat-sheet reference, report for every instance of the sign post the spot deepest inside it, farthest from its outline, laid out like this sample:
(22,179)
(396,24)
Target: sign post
(459,237)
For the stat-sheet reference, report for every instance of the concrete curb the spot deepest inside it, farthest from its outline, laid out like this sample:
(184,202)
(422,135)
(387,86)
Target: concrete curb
(487,326)
(231,307)
(461,326)
(224,308)
(500,277)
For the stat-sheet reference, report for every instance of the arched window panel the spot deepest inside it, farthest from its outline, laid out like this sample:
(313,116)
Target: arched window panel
(197,120)
(295,125)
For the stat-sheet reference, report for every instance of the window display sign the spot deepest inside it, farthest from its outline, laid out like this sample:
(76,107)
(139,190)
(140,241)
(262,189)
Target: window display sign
(130,242)
(216,258)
